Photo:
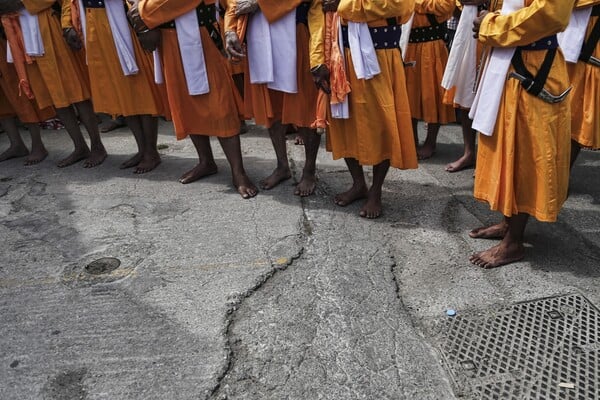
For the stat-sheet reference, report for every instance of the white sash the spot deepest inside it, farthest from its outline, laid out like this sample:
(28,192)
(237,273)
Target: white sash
(406,28)
(272,52)
(192,53)
(461,69)
(159,78)
(117,19)
(362,51)
(341,110)
(484,111)
(9,56)
(30,26)
(571,40)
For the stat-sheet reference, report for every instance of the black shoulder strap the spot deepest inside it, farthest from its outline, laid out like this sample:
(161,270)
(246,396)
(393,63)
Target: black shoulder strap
(590,44)
(432,20)
(533,85)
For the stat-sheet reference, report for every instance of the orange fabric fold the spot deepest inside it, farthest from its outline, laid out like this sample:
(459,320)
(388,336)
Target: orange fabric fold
(14,35)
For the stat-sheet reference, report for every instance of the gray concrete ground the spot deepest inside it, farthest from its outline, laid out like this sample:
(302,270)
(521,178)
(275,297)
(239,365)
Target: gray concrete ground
(271,298)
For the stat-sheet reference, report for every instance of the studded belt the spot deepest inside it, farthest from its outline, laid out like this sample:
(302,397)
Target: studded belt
(547,43)
(207,18)
(427,33)
(384,37)
(93,4)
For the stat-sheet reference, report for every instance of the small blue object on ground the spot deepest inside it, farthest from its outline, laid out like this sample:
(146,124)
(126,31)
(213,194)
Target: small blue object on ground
(450,312)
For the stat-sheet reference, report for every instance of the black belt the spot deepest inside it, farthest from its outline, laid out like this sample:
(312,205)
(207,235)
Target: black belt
(547,43)
(207,18)
(302,13)
(533,84)
(592,41)
(93,3)
(436,31)
(596,11)
(383,37)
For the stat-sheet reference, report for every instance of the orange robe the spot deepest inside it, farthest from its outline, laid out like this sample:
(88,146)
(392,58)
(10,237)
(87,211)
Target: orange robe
(267,106)
(425,92)
(380,125)
(524,166)
(113,92)
(585,104)
(216,113)
(14,103)
(64,76)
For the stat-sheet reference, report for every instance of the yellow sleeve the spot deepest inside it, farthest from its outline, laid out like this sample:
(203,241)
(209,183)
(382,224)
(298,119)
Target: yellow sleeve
(586,3)
(316,27)
(37,6)
(534,22)
(275,9)
(442,9)
(372,10)
(157,12)
(65,18)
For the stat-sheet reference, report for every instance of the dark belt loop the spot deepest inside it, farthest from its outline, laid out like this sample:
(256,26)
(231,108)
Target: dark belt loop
(533,85)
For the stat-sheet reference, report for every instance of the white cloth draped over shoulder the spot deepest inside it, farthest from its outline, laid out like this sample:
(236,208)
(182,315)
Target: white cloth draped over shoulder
(117,19)
(461,69)
(571,40)
(272,52)
(486,105)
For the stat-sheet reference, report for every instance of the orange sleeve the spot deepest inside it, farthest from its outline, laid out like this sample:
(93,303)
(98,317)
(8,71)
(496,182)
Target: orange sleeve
(157,12)
(230,20)
(275,9)
(373,10)
(586,3)
(36,6)
(442,9)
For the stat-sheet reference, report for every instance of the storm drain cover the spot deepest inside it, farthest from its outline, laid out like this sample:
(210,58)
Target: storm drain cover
(542,349)
(103,265)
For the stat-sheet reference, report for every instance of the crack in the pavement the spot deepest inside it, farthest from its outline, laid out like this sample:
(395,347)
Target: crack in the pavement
(305,230)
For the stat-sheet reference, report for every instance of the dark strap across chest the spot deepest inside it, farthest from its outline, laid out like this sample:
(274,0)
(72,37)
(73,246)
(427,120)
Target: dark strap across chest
(535,84)
(592,41)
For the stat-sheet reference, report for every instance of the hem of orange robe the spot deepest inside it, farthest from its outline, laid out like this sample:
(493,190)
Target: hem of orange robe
(591,146)
(539,216)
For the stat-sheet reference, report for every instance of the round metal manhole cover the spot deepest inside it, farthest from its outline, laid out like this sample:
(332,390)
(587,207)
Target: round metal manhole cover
(102,266)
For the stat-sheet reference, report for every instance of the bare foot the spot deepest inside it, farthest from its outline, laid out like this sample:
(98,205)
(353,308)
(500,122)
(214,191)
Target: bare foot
(350,196)
(496,231)
(501,254)
(465,162)
(36,157)
(147,164)
(306,186)
(199,171)
(244,186)
(278,176)
(372,207)
(426,151)
(75,157)
(14,152)
(96,157)
(132,162)
(299,140)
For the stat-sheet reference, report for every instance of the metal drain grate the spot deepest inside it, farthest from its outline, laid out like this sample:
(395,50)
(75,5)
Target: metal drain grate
(543,349)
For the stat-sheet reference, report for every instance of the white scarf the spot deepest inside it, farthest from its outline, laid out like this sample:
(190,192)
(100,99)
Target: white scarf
(486,105)
(272,52)
(406,28)
(461,69)
(30,26)
(571,40)
(117,19)
(362,51)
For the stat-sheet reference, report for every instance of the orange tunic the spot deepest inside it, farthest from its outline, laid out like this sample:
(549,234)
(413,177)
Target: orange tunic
(63,72)
(585,105)
(115,93)
(268,106)
(425,92)
(524,166)
(380,125)
(216,113)
(14,103)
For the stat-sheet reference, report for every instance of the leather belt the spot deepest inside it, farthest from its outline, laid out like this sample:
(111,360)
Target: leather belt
(384,37)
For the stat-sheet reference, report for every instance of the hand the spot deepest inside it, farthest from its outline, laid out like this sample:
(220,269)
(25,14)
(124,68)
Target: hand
(246,7)
(320,75)
(133,15)
(472,2)
(477,23)
(149,39)
(330,5)
(233,47)
(72,38)
(10,6)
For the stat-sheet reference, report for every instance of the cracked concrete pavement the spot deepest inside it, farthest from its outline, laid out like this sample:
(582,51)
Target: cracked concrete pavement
(272,298)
